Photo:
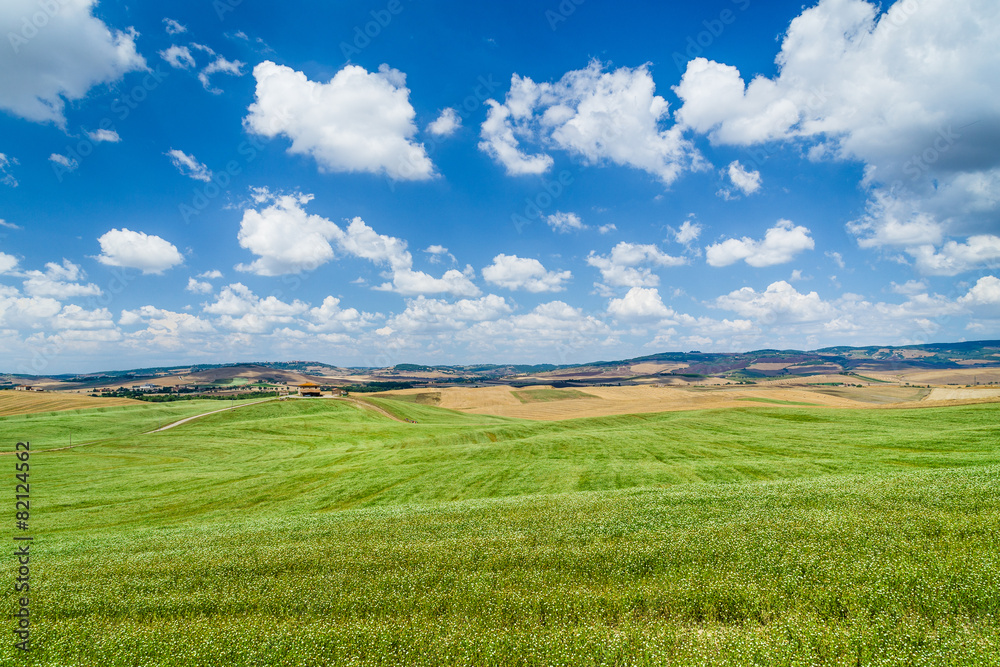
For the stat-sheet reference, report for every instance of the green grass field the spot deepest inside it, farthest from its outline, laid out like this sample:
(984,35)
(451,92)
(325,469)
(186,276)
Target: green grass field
(322,533)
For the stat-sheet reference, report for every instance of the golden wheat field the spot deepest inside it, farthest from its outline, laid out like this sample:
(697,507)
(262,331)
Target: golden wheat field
(550,404)
(30,402)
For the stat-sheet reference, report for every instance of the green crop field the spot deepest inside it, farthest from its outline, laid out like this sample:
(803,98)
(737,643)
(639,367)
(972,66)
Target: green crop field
(319,532)
(545,395)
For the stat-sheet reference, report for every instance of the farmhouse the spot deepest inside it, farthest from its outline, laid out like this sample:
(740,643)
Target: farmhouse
(309,389)
(24,387)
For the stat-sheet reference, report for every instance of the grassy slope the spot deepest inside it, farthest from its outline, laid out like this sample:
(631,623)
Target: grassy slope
(45,430)
(289,530)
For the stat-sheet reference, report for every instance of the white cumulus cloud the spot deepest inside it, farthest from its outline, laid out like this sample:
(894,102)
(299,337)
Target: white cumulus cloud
(285,238)
(595,115)
(74,51)
(58,281)
(780,301)
(781,244)
(742,179)
(138,250)
(986,292)
(981,251)
(446,124)
(630,264)
(522,273)
(198,286)
(359,121)
(640,303)
(852,84)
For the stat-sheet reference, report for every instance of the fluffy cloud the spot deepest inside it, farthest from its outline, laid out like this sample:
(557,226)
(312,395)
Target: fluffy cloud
(59,282)
(986,292)
(173,27)
(789,315)
(285,237)
(853,83)
(19,312)
(178,57)
(745,181)
(77,319)
(359,121)
(981,251)
(520,273)
(165,329)
(688,233)
(7,263)
(73,52)
(595,115)
(891,221)
(423,315)
(565,222)
(641,303)
(553,329)
(330,317)
(137,250)
(198,286)
(629,264)
(239,309)
(289,240)
(446,124)
(780,301)
(780,245)
(189,166)
(500,144)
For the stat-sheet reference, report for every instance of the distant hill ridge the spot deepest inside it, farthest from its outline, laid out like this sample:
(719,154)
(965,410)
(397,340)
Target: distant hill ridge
(828,359)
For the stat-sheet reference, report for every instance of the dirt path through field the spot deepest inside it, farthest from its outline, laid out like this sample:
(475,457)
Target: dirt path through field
(371,406)
(204,414)
(157,430)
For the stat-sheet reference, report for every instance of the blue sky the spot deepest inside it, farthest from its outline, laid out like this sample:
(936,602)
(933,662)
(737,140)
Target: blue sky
(371,183)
